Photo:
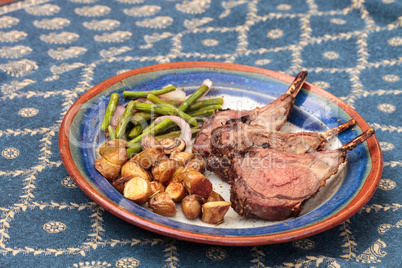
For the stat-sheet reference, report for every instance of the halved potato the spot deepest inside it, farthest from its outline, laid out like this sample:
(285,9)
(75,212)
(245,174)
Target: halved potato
(137,190)
(176,191)
(214,212)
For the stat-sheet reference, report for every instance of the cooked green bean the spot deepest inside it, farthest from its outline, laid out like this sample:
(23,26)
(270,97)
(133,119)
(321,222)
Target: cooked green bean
(114,99)
(140,118)
(203,113)
(152,108)
(144,94)
(112,133)
(134,148)
(200,104)
(177,111)
(157,128)
(196,95)
(125,119)
(135,131)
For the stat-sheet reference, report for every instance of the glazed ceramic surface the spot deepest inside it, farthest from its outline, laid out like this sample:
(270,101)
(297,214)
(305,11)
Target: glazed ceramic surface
(242,87)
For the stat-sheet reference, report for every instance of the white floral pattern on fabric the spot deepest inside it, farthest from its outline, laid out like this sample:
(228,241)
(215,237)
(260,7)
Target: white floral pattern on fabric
(10,153)
(54,227)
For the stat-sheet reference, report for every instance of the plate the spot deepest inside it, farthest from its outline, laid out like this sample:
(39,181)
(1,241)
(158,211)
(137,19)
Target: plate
(242,87)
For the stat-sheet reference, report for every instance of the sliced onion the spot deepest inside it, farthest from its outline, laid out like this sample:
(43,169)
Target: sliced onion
(184,126)
(118,113)
(176,95)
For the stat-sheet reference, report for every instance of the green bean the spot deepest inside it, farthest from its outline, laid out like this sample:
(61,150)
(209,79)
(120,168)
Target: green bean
(203,113)
(177,111)
(134,149)
(114,99)
(174,134)
(125,119)
(167,122)
(112,133)
(135,131)
(208,107)
(140,118)
(195,96)
(151,108)
(144,94)
(200,104)
(157,128)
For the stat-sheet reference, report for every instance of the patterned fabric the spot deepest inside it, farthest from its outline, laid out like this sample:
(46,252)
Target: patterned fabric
(53,51)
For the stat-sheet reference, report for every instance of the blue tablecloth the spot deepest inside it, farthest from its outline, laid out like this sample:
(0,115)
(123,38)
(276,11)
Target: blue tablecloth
(53,51)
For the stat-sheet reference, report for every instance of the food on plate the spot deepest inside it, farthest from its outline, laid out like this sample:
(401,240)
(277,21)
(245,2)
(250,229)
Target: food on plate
(191,206)
(162,204)
(164,169)
(137,189)
(273,185)
(182,158)
(195,182)
(133,169)
(149,157)
(198,163)
(176,191)
(157,170)
(214,212)
(271,116)
(232,138)
(157,187)
(149,141)
(271,173)
(171,145)
(109,165)
(214,196)
(111,146)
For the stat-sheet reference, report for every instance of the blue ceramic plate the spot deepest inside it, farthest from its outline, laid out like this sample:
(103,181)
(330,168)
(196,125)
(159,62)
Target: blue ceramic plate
(242,87)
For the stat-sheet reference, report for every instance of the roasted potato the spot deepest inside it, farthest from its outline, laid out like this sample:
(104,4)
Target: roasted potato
(181,158)
(164,170)
(133,169)
(121,182)
(195,182)
(197,163)
(191,206)
(214,212)
(137,190)
(162,204)
(112,145)
(157,187)
(176,191)
(147,158)
(214,196)
(110,164)
(171,145)
(177,177)
(118,156)
(108,170)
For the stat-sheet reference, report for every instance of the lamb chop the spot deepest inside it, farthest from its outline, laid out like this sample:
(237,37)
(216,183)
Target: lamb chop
(273,185)
(232,138)
(271,116)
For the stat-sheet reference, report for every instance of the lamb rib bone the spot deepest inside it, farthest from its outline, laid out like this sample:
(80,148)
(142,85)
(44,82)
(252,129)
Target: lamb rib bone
(273,185)
(271,116)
